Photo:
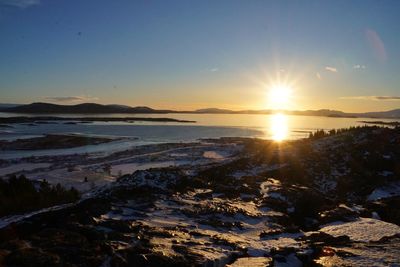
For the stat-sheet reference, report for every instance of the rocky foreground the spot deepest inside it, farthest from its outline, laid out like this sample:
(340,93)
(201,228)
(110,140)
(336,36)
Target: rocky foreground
(331,200)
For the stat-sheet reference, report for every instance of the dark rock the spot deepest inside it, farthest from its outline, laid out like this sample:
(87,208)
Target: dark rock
(270,232)
(340,213)
(321,238)
(117,225)
(32,257)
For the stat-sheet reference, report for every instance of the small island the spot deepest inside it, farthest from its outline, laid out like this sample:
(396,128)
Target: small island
(49,119)
(53,141)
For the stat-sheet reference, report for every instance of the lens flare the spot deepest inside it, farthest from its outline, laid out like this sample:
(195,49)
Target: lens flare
(279,127)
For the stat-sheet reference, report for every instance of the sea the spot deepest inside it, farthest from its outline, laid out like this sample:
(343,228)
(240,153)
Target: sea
(278,127)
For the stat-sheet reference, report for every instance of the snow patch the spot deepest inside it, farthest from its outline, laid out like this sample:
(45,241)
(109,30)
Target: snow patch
(363,230)
(21,167)
(387,191)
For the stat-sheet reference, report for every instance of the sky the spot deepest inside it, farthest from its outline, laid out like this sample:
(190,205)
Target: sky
(341,55)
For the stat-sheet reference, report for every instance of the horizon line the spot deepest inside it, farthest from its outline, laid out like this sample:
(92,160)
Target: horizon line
(199,109)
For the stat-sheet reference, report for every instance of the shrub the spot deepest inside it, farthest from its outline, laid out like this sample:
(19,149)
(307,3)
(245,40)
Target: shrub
(19,195)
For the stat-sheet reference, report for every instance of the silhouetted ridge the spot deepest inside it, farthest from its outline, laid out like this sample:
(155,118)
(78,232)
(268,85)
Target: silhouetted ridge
(92,108)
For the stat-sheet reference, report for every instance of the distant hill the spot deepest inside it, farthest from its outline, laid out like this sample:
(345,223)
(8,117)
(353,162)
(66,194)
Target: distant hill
(395,113)
(321,112)
(86,108)
(214,110)
(94,108)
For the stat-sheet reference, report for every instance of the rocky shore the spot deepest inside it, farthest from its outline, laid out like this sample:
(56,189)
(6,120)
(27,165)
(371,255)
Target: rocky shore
(327,201)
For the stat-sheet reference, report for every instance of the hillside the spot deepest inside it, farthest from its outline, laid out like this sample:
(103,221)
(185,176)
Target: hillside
(88,108)
(384,114)
(331,200)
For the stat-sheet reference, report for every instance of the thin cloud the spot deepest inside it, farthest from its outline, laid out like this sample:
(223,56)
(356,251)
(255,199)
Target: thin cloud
(19,3)
(214,69)
(65,99)
(372,97)
(358,66)
(331,69)
(318,76)
(377,45)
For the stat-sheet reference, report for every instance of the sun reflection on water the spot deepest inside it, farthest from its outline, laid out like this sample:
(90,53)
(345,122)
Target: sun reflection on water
(279,127)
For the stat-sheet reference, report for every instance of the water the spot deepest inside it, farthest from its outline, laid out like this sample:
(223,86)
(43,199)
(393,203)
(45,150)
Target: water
(224,123)
(277,127)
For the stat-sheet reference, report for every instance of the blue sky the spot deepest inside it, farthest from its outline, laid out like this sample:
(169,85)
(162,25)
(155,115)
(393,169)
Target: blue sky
(192,54)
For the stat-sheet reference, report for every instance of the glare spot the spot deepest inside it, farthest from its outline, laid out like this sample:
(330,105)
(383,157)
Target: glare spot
(279,127)
(279,96)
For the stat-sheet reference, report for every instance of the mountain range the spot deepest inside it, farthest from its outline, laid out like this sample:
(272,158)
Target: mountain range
(85,108)
(94,108)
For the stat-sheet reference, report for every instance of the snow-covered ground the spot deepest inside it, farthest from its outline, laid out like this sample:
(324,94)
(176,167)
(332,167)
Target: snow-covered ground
(128,168)
(93,170)
(20,167)
(390,190)
(363,229)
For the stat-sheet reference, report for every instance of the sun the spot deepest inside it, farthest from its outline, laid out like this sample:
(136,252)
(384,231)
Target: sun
(279,95)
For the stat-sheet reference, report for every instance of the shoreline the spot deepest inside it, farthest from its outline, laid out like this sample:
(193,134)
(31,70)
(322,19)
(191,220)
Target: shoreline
(51,119)
(390,123)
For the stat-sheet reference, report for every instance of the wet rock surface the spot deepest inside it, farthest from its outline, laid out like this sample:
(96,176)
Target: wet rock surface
(302,203)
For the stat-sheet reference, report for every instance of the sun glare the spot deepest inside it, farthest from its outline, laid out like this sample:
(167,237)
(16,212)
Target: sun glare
(279,96)
(279,127)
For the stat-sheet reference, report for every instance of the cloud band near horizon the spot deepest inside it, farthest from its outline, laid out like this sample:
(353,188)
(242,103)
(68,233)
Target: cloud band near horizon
(71,98)
(372,97)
